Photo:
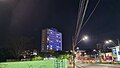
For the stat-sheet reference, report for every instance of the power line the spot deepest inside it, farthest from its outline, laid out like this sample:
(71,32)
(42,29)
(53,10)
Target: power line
(81,8)
(81,20)
(79,11)
(91,14)
(81,14)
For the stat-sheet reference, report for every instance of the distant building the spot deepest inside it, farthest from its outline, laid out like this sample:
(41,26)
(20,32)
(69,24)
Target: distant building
(116,53)
(51,40)
(100,46)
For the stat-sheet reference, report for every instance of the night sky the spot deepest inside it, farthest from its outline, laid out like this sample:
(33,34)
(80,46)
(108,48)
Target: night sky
(26,18)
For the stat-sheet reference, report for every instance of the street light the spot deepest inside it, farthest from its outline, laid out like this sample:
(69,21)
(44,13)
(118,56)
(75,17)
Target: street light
(83,39)
(108,41)
(111,42)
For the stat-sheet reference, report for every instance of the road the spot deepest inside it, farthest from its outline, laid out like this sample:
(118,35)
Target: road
(81,65)
(97,66)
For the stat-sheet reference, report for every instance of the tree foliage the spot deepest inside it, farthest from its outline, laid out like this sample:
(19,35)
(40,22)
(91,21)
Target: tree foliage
(61,54)
(19,44)
(66,56)
(6,53)
(37,58)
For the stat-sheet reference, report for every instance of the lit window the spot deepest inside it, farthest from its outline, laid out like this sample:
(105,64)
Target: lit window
(51,48)
(51,41)
(57,36)
(51,32)
(48,39)
(57,40)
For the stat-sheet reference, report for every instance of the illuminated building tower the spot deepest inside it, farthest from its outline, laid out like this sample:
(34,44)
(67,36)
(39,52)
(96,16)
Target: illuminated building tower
(51,40)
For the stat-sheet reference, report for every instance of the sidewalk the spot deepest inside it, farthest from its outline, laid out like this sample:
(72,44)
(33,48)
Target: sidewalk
(111,65)
(70,65)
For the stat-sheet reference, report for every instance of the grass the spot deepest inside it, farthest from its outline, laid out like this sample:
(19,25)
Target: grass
(31,64)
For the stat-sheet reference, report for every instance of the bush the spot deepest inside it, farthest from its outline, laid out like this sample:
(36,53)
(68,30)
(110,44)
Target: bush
(66,56)
(36,58)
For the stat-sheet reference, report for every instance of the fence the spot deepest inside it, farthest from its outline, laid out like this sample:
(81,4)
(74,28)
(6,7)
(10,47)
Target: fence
(60,63)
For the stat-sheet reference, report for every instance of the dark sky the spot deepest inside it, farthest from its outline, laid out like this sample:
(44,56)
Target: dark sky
(26,18)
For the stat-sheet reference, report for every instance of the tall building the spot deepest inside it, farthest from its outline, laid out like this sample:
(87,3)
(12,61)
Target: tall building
(51,40)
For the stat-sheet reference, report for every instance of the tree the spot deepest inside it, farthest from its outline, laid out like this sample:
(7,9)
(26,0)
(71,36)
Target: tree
(20,44)
(61,54)
(66,56)
(6,53)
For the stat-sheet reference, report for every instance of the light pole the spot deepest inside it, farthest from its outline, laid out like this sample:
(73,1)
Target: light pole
(74,45)
(113,43)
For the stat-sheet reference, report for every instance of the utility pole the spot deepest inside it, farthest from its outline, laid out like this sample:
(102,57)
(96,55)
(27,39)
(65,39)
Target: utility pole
(80,21)
(81,14)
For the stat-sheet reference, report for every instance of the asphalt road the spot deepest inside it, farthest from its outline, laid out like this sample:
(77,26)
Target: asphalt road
(96,66)
(79,64)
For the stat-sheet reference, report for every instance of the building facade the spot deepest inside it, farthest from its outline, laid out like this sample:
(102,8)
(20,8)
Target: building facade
(51,40)
(116,53)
